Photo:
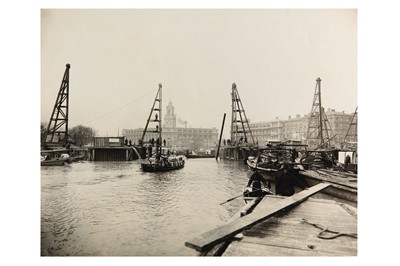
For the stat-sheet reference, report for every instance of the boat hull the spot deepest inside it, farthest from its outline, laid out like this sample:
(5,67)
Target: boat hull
(194,156)
(268,173)
(151,167)
(55,162)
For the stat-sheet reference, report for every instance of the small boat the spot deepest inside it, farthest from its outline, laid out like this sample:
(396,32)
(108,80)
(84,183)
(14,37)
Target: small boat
(194,155)
(255,164)
(250,193)
(164,164)
(320,158)
(54,158)
(273,159)
(160,161)
(55,162)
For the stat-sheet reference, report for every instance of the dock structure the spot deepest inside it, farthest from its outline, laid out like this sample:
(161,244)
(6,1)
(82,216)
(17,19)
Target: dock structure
(299,225)
(112,149)
(237,153)
(317,227)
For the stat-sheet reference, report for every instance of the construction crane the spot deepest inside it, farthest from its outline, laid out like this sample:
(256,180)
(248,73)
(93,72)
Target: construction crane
(240,124)
(319,132)
(157,109)
(57,129)
(351,134)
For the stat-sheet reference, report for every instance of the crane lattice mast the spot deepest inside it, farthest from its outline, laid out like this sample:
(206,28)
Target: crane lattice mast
(57,129)
(157,109)
(351,134)
(318,125)
(240,124)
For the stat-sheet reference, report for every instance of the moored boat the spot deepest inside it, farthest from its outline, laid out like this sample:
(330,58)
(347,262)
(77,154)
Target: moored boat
(273,160)
(55,162)
(54,158)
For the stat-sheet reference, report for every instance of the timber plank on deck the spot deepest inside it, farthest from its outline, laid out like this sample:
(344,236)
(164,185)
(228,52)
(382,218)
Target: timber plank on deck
(263,211)
(289,235)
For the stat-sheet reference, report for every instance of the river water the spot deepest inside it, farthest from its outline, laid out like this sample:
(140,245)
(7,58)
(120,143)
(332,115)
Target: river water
(115,209)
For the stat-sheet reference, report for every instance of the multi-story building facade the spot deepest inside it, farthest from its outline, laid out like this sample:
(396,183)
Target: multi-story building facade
(296,128)
(340,124)
(265,131)
(177,137)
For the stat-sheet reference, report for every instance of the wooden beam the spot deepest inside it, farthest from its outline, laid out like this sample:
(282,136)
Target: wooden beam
(220,137)
(263,211)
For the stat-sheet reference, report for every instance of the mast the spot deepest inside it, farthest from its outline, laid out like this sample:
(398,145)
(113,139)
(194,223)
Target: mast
(57,129)
(239,117)
(156,108)
(320,111)
(220,136)
(352,127)
(160,118)
(318,121)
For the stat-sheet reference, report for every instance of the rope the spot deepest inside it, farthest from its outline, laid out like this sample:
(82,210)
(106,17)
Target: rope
(325,230)
(117,109)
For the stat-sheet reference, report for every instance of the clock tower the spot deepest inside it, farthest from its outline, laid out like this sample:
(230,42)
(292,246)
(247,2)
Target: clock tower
(170,116)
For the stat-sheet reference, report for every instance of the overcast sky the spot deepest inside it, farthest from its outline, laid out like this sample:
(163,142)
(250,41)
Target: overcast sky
(118,57)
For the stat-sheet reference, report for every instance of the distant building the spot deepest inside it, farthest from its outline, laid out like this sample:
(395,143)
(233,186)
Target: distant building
(265,131)
(177,137)
(295,128)
(340,122)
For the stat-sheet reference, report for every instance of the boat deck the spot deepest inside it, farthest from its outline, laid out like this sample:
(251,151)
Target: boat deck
(300,225)
(293,234)
(343,185)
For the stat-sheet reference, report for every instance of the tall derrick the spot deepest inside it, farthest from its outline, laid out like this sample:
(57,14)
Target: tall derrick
(318,125)
(240,128)
(57,129)
(351,134)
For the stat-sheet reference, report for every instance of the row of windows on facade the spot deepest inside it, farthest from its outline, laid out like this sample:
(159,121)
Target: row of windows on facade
(298,122)
(201,131)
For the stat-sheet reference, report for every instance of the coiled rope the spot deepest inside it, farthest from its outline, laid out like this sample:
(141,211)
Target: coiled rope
(325,231)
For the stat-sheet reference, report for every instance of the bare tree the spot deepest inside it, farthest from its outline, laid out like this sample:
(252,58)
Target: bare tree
(81,135)
(43,129)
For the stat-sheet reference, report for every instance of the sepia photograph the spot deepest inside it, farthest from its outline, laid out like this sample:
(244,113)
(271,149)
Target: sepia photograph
(247,132)
(198,132)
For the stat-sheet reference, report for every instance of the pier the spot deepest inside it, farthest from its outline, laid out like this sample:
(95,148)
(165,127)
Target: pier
(112,149)
(299,225)
(237,153)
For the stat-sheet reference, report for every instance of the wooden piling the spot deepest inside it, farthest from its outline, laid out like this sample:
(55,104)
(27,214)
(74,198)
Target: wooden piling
(220,137)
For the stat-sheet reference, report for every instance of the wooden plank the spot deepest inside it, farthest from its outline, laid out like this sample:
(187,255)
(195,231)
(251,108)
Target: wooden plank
(251,249)
(339,248)
(208,239)
(289,234)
